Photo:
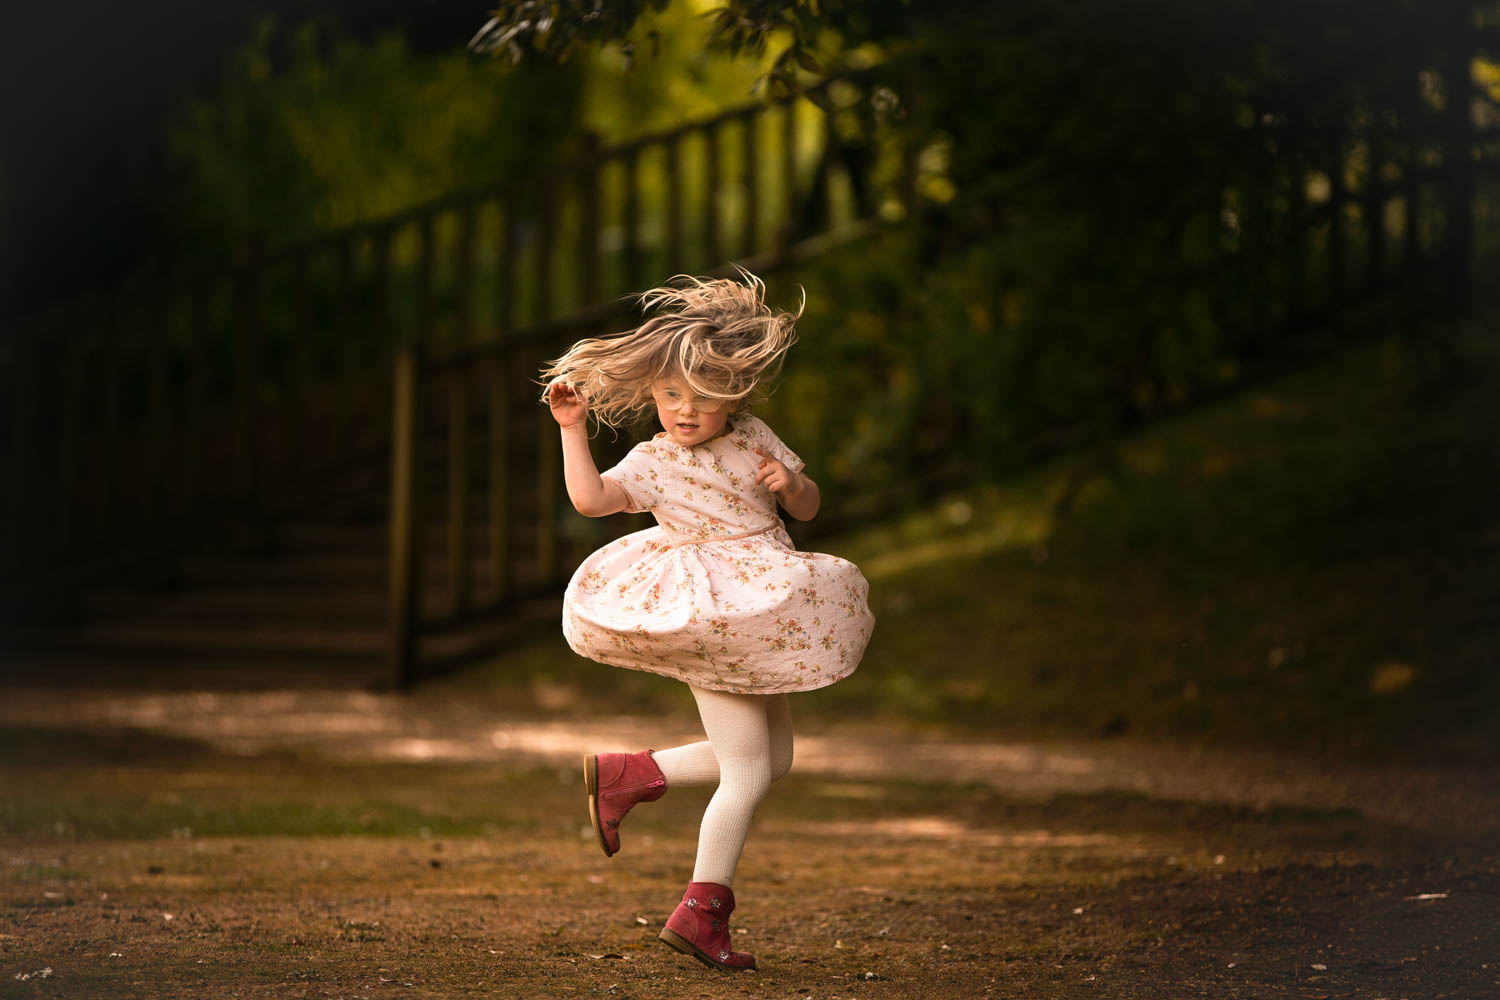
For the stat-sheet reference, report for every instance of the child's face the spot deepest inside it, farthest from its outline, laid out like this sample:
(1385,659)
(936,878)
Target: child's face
(682,415)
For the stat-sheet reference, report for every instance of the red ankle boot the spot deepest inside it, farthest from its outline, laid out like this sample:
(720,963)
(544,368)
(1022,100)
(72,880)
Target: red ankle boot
(616,782)
(700,927)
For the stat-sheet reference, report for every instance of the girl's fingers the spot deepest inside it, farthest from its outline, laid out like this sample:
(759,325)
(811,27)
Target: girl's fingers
(771,472)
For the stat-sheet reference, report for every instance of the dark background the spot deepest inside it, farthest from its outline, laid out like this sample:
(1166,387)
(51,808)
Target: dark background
(88,88)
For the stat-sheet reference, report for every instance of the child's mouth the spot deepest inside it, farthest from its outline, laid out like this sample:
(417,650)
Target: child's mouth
(687,427)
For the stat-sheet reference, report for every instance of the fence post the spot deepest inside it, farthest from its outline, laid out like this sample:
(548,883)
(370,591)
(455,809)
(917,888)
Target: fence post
(24,356)
(247,389)
(588,221)
(463,332)
(499,450)
(499,478)
(749,178)
(343,357)
(301,375)
(74,359)
(632,218)
(786,233)
(1255,226)
(505,265)
(197,395)
(548,472)
(542,212)
(459,561)
(111,362)
(1296,256)
(1458,158)
(672,149)
(1338,194)
(1375,208)
(1411,243)
(405,551)
(908,140)
(710,215)
(158,340)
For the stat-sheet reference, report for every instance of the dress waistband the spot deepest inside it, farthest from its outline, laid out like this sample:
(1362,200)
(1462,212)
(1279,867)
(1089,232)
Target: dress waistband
(679,542)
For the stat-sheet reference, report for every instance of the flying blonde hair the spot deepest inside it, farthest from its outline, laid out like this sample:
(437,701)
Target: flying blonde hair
(716,334)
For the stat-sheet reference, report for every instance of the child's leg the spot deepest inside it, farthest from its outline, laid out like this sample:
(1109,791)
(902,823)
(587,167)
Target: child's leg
(695,763)
(692,764)
(738,728)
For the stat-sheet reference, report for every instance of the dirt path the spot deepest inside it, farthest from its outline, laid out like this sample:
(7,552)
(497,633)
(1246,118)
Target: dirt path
(366,727)
(344,844)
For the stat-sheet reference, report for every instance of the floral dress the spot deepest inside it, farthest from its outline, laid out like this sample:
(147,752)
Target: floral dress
(716,595)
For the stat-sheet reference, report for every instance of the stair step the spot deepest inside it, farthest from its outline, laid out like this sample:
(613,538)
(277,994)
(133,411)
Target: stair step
(311,536)
(357,570)
(354,653)
(243,608)
(48,666)
(352,607)
(193,638)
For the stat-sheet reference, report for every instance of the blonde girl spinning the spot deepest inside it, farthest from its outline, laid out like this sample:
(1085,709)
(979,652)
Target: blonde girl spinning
(715,595)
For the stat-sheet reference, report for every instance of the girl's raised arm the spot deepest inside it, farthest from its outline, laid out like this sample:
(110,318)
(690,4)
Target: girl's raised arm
(592,495)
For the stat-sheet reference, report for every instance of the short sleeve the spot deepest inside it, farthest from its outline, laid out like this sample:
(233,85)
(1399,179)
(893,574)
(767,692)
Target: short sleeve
(766,438)
(635,474)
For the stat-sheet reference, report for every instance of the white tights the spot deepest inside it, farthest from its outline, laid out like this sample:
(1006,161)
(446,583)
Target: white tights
(749,746)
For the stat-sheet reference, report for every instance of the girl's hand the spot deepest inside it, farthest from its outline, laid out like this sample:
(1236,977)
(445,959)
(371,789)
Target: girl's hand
(568,408)
(777,477)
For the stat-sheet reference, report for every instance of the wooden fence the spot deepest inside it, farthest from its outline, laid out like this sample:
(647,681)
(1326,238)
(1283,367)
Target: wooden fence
(206,403)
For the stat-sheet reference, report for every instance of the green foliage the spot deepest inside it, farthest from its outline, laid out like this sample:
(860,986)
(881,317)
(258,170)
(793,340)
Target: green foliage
(553,30)
(682,77)
(522,32)
(1121,237)
(308,132)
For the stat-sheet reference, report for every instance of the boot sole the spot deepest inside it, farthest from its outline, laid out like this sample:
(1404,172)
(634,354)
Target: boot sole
(682,944)
(591,781)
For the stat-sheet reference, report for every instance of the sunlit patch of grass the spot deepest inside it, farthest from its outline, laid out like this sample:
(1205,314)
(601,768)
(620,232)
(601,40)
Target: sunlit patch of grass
(1239,573)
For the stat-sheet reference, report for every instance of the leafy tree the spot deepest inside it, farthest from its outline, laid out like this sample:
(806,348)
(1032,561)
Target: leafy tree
(1101,257)
(310,132)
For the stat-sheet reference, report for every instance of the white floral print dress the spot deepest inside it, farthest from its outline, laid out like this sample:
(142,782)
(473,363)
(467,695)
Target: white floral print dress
(715,594)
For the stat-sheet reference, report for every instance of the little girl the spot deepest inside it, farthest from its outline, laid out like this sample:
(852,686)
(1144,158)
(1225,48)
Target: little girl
(715,595)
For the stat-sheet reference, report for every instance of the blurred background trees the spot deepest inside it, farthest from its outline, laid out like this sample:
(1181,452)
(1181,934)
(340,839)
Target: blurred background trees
(308,131)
